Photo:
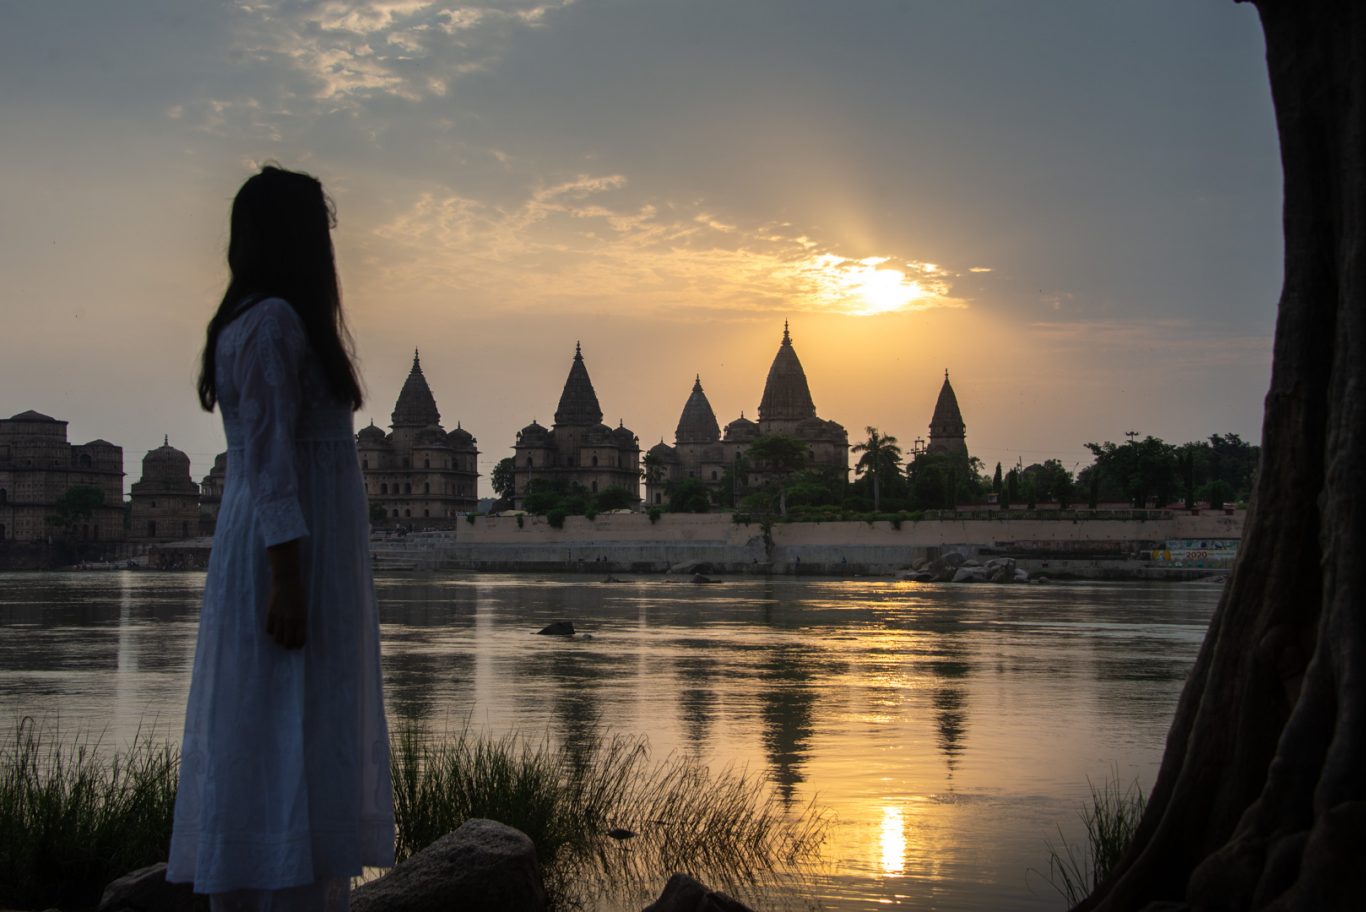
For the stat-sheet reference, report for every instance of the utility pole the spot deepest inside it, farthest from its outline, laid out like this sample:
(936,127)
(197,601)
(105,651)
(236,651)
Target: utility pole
(1131,435)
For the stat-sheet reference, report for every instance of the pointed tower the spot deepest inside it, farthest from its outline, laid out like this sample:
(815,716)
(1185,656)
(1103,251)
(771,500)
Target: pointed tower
(948,434)
(698,422)
(787,398)
(578,402)
(416,407)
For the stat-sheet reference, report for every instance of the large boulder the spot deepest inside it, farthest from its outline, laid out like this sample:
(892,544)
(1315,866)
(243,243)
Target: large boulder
(684,894)
(484,866)
(146,890)
(970,575)
(558,629)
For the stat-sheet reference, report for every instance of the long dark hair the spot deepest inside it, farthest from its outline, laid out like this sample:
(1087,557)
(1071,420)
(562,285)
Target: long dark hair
(281,246)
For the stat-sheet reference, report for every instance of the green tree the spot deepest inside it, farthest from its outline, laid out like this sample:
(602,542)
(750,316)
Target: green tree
(778,457)
(377,514)
(996,480)
(881,459)
(503,478)
(76,505)
(1143,469)
(614,498)
(688,495)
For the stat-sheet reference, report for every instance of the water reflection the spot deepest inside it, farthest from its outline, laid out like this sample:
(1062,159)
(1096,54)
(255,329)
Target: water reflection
(949,730)
(893,841)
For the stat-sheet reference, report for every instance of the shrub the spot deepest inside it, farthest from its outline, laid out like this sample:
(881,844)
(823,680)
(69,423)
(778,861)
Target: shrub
(72,819)
(556,518)
(469,518)
(1110,819)
(654,513)
(725,827)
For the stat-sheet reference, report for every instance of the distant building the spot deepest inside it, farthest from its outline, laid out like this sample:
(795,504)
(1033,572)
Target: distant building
(211,494)
(948,433)
(166,499)
(787,409)
(38,466)
(418,473)
(578,449)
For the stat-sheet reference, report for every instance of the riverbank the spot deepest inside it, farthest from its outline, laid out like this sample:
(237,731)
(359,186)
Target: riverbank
(1078,545)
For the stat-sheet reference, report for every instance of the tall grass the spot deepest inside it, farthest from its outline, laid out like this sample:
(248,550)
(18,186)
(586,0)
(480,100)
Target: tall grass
(72,819)
(1111,818)
(727,828)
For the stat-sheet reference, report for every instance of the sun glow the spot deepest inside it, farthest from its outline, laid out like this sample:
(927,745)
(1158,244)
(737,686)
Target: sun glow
(866,287)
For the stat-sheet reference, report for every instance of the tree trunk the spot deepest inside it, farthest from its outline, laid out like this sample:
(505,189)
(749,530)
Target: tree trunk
(1260,802)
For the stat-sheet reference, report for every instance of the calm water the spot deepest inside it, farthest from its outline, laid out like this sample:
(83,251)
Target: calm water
(951,731)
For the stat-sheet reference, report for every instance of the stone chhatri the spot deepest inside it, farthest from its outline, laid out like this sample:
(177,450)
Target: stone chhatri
(698,422)
(578,402)
(948,433)
(786,394)
(416,406)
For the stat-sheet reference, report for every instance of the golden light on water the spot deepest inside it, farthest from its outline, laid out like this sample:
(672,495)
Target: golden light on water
(893,841)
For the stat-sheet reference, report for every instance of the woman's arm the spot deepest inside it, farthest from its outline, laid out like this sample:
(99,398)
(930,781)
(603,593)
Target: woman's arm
(287,609)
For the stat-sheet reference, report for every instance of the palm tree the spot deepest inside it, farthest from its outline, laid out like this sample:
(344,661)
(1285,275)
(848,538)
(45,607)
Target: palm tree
(880,454)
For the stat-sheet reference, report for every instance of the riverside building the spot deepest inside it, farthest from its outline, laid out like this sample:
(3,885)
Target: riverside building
(38,466)
(578,449)
(786,408)
(419,473)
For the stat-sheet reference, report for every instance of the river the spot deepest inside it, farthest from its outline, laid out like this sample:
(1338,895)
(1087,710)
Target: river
(950,731)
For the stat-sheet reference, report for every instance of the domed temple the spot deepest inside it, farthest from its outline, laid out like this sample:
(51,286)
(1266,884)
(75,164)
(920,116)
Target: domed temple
(786,409)
(166,499)
(578,448)
(419,474)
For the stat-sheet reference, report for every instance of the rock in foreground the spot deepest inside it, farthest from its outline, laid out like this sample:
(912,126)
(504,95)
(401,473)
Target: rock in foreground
(484,866)
(684,894)
(146,890)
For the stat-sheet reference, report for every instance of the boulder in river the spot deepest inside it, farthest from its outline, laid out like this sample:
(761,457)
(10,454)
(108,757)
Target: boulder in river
(557,629)
(484,866)
(684,894)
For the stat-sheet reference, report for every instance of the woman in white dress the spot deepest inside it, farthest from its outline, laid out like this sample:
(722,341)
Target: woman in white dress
(284,779)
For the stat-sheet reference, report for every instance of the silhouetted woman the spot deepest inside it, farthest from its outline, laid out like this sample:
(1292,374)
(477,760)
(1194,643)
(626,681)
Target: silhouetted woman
(284,778)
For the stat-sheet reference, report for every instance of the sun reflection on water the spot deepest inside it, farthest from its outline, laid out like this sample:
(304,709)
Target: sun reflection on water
(893,842)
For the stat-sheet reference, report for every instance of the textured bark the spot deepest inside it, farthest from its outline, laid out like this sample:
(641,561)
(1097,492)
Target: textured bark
(1260,802)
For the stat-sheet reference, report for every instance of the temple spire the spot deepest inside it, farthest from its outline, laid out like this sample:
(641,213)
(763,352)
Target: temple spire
(698,422)
(948,433)
(786,394)
(578,402)
(416,406)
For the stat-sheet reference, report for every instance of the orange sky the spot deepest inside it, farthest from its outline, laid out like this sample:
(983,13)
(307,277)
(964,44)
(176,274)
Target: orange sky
(1074,210)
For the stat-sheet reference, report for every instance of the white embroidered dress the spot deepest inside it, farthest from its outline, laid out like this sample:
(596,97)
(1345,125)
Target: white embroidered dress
(284,776)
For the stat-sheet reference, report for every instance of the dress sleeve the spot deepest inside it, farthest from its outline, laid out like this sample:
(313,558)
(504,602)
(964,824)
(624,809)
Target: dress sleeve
(267,375)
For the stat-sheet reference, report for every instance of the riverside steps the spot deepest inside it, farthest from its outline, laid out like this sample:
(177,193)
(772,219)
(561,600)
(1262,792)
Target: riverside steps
(1139,544)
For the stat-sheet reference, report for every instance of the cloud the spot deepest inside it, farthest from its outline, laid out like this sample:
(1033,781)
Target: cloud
(342,53)
(585,241)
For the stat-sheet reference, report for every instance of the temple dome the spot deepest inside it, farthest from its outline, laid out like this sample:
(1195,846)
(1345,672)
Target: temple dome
(662,452)
(165,463)
(698,423)
(534,434)
(416,407)
(578,401)
(461,439)
(623,436)
(741,429)
(786,394)
(371,436)
(432,436)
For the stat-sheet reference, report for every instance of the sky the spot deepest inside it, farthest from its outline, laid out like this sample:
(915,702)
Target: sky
(1073,207)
